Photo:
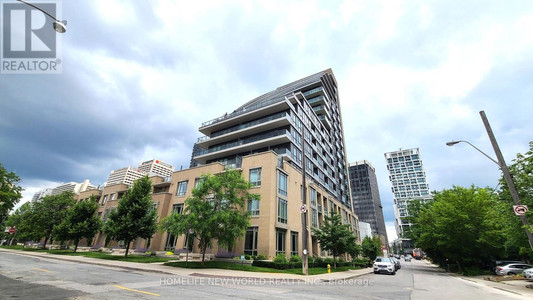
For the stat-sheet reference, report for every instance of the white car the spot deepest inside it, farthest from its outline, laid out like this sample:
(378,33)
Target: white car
(384,265)
(528,273)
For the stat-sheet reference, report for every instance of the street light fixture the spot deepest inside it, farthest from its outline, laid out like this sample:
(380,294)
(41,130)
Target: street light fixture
(59,26)
(505,171)
(462,141)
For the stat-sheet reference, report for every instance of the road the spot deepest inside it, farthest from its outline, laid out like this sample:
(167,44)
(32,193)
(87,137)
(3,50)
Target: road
(23,277)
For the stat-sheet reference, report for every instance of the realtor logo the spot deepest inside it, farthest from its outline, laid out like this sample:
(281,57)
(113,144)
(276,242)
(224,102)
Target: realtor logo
(30,45)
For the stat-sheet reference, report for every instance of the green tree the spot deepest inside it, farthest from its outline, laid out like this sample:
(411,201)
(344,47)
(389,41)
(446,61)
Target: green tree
(414,207)
(371,247)
(462,225)
(134,216)
(80,222)
(335,237)
(47,213)
(10,192)
(517,244)
(21,220)
(216,211)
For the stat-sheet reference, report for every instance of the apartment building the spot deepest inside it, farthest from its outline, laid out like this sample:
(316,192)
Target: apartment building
(365,197)
(75,187)
(156,167)
(408,182)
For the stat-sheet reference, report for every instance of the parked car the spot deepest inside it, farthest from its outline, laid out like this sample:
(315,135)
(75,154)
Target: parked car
(396,263)
(408,258)
(384,265)
(528,273)
(512,269)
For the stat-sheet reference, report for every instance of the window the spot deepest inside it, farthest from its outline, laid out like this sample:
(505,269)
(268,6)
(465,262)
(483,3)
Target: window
(312,194)
(294,243)
(280,241)
(104,200)
(177,208)
(155,205)
(197,182)
(253,206)
(250,241)
(182,188)
(255,177)
(282,210)
(112,197)
(282,183)
(314,218)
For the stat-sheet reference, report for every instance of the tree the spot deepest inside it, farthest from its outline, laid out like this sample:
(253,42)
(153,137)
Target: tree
(517,244)
(462,225)
(134,216)
(334,236)
(10,192)
(80,222)
(371,247)
(216,211)
(21,220)
(47,213)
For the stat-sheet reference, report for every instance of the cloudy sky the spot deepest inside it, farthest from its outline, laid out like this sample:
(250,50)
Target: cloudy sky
(139,78)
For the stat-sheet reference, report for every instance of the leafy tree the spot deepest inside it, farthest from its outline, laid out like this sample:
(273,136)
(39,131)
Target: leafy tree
(216,211)
(10,192)
(462,225)
(335,237)
(371,247)
(354,250)
(80,222)
(414,207)
(517,244)
(47,213)
(134,216)
(21,220)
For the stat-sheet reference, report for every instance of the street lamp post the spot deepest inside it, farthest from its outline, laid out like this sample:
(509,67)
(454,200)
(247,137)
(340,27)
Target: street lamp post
(505,170)
(59,26)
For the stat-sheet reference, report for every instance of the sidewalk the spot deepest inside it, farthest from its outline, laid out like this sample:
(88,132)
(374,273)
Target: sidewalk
(517,287)
(214,273)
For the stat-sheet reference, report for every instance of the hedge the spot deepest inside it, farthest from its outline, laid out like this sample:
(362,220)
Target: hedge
(296,265)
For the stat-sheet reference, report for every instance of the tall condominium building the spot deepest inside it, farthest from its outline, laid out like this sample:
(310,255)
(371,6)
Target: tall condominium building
(156,167)
(125,175)
(408,180)
(302,118)
(365,196)
(40,194)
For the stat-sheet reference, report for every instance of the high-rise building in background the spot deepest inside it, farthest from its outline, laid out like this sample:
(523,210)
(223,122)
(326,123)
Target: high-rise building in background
(408,181)
(75,187)
(156,167)
(279,121)
(365,197)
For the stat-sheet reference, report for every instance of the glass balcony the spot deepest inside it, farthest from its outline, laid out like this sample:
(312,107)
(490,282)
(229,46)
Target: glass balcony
(244,141)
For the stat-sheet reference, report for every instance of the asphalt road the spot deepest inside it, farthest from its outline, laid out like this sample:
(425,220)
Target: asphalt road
(23,277)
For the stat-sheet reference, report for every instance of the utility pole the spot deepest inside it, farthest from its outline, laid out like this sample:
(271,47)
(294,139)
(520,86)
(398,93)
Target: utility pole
(506,175)
(305,233)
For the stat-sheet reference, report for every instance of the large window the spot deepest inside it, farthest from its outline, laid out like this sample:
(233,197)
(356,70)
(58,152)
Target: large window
(280,241)
(282,183)
(104,200)
(253,206)
(314,218)
(250,241)
(312,196)
(282,210)
(294,243)
(177,208)
(255,177)
(182,188)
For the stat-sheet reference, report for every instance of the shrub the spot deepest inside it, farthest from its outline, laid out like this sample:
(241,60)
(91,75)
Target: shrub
(296,259)
(280,258)
(260,257)
(276,265)
(226,254)
(182,250)
(247,257)
(317,259)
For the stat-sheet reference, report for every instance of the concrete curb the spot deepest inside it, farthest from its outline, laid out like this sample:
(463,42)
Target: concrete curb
(218,273)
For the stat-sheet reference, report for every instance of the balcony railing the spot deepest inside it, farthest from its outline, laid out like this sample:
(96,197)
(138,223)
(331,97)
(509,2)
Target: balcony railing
(243,110)
(249,140)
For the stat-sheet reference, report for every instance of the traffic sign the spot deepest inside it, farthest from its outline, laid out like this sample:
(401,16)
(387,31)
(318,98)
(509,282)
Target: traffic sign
(12,230)
(303,208)
(520,210)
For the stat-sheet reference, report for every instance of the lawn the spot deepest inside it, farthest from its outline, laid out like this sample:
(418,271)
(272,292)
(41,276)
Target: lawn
(250,268)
